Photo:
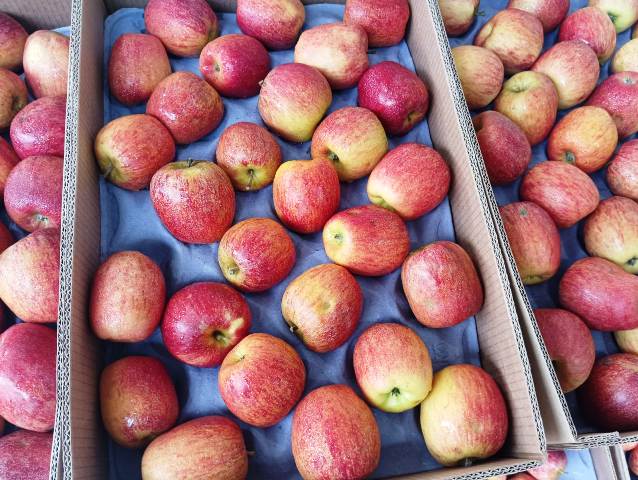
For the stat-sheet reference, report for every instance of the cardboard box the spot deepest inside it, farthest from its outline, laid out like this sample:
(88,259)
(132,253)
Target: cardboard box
(619,460)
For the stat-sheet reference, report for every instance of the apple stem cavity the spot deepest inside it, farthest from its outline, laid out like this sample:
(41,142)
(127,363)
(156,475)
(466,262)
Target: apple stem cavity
(333,157)
(220,337)
(570,158)
(632,261)
(613,17)
(189,163)
(395,392)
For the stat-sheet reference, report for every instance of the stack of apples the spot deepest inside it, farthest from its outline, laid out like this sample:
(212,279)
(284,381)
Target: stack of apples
(528,90)
(207,324)
(31,152)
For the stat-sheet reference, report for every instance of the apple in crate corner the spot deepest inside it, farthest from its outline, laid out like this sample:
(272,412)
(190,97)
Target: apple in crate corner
(632,462)
(626,447)
(618,94)
(183,26)
(8,160)
(127,298)
(550,12)
(46,63)
(275,23)
(27,376)
(473,425)
(13,36)
(261,379)
(38,129)
(383,20)
(203,322)
(626,57)
(138,63)
(627,340)
(25,455)
(622,172)
(480,73)
(441,284)
(553,468)
(592,26)
(206,447)
(13,97)
(623,13)
(329,424)
(130,388)
(458,16)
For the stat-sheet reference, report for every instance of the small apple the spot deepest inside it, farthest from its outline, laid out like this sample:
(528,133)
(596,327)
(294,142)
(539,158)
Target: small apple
(127,298)
(13,36)
(275,23)
(384,21)
(622,172)
(8,160)
(618,94)
(458,15)
(261,379)
(627,340)
(367,240)
(13,97)
(480,72)
(194,200)
(46,63)
(623,13)
(38,129)
(626,58)
(306,194)
(322,306)
(592,26)
(203,322)
(553,468)
(25,455)
(550,12)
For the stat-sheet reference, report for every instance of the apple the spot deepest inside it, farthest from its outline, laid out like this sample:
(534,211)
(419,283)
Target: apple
(569,344)
(632,462)
(206,447)
(27,375)
(235,65)
(261,379)
(275,23)
(25,455)
(480,72)
(458,15)
(306,194)
(530,100)
(188,106)
(516,36)
(13,97)
(411,180)
(33,193)
(592,26)
(329,425)
(585,137)
(46,63)
(534,240)
(352,139)
(29,276)
(183,26)
(628,446)
(8,160)
(623,13)
(127,298)
(194,200)
(618,94)
(464,416)
(203,322)
(138,400)
(283,100)
(138,63)
(627,340)
(626,58)
(608,398)
(6,240)
(130,149)
(338,50)
(367,240)
(256,254)
(553,468)
(38,129)
(573,67)
(521,476)
(601,293)
(322,306)
(622,172)
(565,192)
(13,36)
(441,284)
(504,146)
(384,21)
(550,12)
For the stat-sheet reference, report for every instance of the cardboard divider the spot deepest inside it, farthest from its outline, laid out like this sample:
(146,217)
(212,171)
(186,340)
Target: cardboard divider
(604,463)
(619,460)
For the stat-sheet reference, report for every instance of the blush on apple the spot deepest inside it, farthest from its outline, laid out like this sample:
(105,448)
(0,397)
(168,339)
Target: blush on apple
(13,97)
(618,94)
(622,172)
(25,455)
(13,36)
(627,340)
(553,468)
(46,63)
(458,16)
(8,160)
(550,12)
(384,21)
(623,13)
(480,73)
(592,26)
(38,129)
(6,240)
(275,23)
(626,58)
(628,446)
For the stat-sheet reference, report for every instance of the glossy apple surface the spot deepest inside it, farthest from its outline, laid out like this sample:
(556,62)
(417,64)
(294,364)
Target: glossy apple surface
(38,129)
(275,23)
(622,172)
(627,340)
(13,97)
(623,13)
(458,16)
(550,12)
(13,36)
(8,160)
(592,26)
(618,94)
(25,455)
(384,21)
(480,72)
(46,63)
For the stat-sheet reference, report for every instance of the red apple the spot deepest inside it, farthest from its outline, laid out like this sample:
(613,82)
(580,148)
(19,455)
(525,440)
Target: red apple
(530,100)
(275,23)
(353,139)
(25,455)
(626,57)
(618,94)
(367,240)
(188,106)
(206,447)
(464,416)
(329,424)
(29,276)
(458,15)
(8,160)
(384,21)
(632,462)
(130,149)
(13,97)
(622,173)
(194,200)
(256,254)
(13,36)
(283,100)
(569,344)
(592,26)
(127,298)
(585,137)
(573,67)
(46,63)
(261,379)
(306,194)
(322,306)
(235,65)
(553,468)
(441,284)
(6,240)
(138,63)
(623,13)
(183,26)
(549,12)
(27,376)
(567,193)
(203,322)
(38,129)
(516,36)
(627,340)
(504,147)
(534,240)
(138,400)
(601,293)
(393,367)
(480,73)
(410,180)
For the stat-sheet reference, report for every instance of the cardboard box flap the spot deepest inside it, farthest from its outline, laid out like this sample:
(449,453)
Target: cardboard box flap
(36,14)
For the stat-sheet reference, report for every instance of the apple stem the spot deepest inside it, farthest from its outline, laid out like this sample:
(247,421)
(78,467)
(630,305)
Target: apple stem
(333,157)
(632,261)
(468,462)
(570,157)
(189,162)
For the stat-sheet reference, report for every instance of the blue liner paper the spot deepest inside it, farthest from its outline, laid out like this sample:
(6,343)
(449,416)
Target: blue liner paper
(579,466)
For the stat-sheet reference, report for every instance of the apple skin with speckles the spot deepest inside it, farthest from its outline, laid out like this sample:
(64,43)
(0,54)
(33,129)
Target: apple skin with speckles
(623,13)
(618,94)
(480,72)
(13,97)
(38,129)
(13,36)
(25,455)
(622,172)
(275,23)
(8,160)
(458,16)
(46,63)
(592,26)
(384,21)
(549,12)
